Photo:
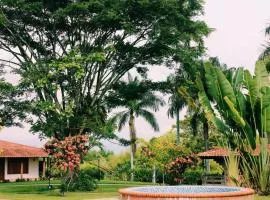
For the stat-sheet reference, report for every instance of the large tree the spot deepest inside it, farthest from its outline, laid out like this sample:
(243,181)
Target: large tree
(137,100)
(69,53)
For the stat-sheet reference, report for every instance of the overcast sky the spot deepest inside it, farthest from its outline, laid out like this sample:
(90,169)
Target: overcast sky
(237,40)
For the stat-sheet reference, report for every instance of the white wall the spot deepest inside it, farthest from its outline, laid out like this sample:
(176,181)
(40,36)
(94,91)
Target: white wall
(32,171)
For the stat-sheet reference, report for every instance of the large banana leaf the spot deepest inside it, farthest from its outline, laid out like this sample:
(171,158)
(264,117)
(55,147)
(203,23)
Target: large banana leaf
(234,113)
(251,86)
(262,76)
(237,78)
(225,86)
(211,82)
(266,109)
(208,111)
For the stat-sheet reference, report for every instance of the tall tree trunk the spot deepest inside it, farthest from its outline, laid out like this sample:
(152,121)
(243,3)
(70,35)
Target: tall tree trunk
(177,127)
(206,136)
(133,143)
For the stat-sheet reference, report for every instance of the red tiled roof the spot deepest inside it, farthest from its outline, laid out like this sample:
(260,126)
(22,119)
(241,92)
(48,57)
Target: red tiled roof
(215,152)
(223,152)
(10,149)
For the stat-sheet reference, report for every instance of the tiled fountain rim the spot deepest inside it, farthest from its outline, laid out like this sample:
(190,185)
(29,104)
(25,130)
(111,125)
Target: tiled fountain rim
(237,191)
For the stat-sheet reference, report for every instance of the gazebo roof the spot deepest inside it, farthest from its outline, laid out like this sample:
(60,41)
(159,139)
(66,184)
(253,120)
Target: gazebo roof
(14,150)
(223,152)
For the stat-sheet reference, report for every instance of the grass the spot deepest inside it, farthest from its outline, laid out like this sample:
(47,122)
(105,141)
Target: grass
(38,191)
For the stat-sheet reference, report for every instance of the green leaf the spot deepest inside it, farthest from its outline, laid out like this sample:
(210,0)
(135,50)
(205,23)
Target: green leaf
(266,109)
(252,88)
(236,115)
(225,86)
(211,82)
(262,76)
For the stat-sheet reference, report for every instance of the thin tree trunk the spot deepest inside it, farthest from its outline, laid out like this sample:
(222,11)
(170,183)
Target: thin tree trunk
(154,174)
(133,143)
(206,136)
(177,127)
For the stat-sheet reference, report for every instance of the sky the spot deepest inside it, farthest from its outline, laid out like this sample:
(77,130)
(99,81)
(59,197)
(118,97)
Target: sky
(237,40)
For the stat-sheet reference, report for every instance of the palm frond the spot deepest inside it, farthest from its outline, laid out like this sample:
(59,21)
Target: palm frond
(151,101)
(176,104)
(149,117)
(122,118)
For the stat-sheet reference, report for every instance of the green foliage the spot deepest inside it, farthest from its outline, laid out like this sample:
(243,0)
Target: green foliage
(159,152)
(12,106)
(83,181)
(92,171)
(137,100)
(70,53)
(255,171)
(239,102)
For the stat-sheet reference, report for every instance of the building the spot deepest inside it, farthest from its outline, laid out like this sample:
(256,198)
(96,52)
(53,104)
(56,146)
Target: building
(221,155)
(19,161)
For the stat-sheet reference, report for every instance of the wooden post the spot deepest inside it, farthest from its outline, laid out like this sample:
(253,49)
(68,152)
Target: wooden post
(21,170)
(43,168)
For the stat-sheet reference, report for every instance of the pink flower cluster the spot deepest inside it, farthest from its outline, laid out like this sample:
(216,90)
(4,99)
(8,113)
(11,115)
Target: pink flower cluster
(67,154)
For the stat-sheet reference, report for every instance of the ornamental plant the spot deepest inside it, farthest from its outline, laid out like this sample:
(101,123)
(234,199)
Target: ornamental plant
(178,166)
(67,155)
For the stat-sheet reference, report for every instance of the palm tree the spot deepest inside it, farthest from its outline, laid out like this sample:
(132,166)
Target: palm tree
(137,99)
(176,104)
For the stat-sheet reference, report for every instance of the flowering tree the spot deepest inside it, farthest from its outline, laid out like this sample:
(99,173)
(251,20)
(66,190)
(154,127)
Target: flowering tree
(67,155)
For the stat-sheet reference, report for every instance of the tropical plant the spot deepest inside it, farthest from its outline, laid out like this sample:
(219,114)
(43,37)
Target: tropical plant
(176,103)
(178,166)
(256,170)
(137,99)
(240,109)
(197,118)
(70,53)
(242,102)
(66,156)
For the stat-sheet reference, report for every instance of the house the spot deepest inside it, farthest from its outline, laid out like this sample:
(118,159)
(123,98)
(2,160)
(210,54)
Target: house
(19,161)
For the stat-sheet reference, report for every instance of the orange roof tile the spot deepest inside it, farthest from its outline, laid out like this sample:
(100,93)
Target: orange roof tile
(223,152)
(10,149)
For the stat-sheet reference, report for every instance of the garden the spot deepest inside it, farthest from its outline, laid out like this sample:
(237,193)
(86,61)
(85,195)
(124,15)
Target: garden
(80,76)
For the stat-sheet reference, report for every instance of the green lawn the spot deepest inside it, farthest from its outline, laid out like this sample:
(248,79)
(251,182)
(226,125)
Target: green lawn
(38,191)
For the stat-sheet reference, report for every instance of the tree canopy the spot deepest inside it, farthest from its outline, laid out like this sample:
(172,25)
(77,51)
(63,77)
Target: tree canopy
(70,53)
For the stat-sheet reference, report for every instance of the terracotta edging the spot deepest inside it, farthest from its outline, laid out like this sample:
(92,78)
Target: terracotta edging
(242,192)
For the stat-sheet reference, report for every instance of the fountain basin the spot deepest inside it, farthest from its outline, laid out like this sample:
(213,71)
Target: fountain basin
(186,193)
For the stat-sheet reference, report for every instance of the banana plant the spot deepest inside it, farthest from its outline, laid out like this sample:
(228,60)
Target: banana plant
(236,102)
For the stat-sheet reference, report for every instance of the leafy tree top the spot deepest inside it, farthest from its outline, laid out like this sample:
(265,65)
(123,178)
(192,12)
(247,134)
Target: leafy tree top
(70,53)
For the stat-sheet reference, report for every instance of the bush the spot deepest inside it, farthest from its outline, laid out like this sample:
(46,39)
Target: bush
(92,171)
(193,177)
(79,182)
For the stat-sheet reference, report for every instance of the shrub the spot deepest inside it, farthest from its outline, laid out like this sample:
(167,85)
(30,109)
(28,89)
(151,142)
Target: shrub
(193,177)
(82,181)
(92,171)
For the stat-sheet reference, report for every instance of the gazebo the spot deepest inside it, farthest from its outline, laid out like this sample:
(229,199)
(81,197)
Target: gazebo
(220,154)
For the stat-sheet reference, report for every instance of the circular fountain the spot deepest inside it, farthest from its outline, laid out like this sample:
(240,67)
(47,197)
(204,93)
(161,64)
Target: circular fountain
(186,193)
